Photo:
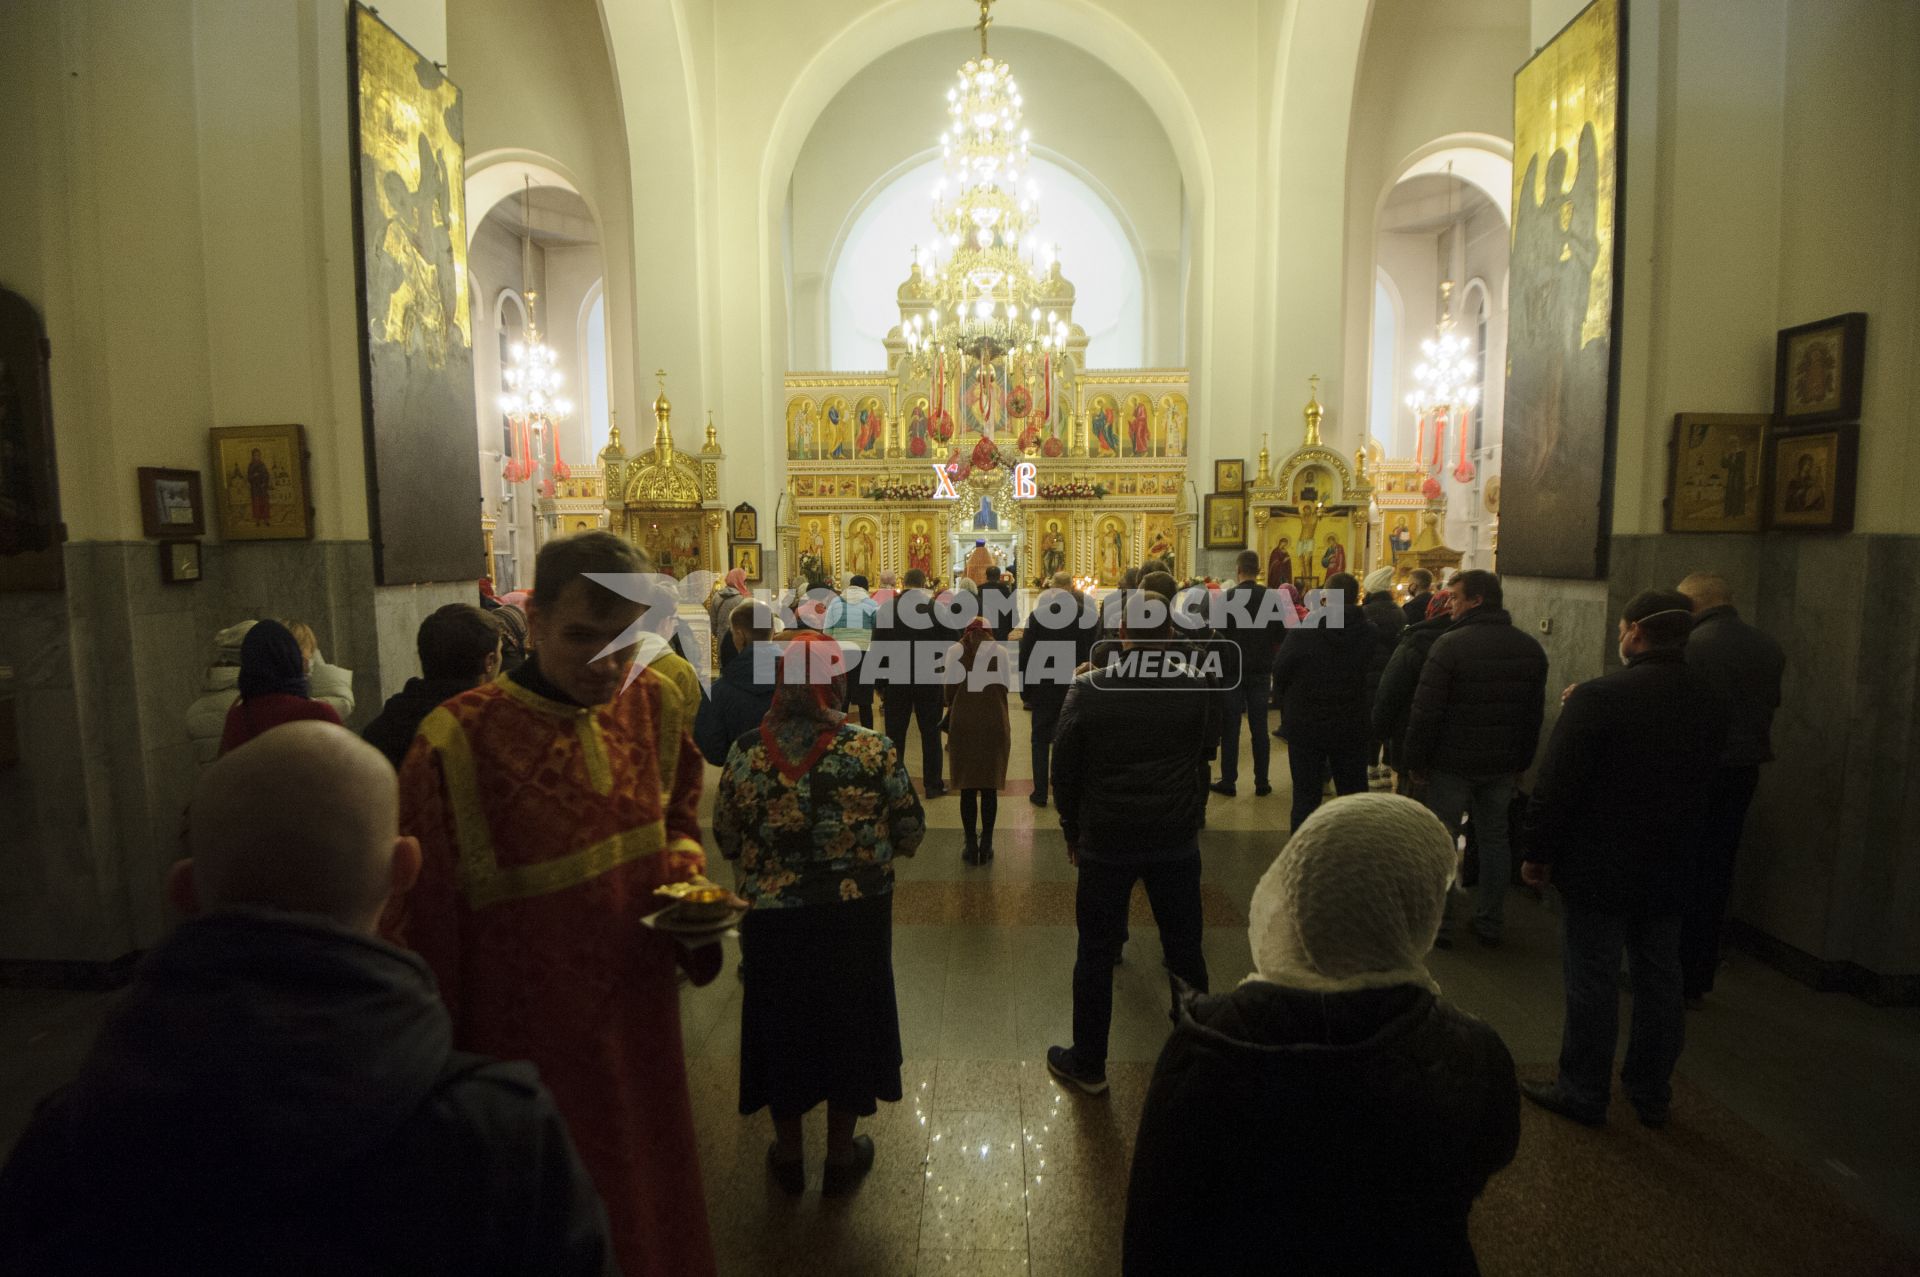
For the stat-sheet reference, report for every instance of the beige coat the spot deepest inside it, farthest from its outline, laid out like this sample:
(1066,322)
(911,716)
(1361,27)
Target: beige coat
(979,732)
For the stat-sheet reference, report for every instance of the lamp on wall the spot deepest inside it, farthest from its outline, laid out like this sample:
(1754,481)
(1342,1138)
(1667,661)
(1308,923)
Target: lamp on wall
(1448,387)
(532,400)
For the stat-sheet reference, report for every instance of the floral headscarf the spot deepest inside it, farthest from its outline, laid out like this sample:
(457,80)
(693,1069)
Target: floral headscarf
(810,688)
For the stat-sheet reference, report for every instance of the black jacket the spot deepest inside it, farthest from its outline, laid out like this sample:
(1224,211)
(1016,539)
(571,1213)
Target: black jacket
(393,729)
(1415,608)
(1289,1131)
(279,1095)
(998,612)
(908,633)
(1616,804)
(1320,678)
(1744,666)
(1388,621)
(1260,632)
(1481,698)
(1393,698)
(1131,756)
(732,707)
(1053,644)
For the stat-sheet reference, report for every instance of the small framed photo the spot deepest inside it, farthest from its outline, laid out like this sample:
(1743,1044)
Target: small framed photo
(170,503)
(260,478)
(1819,369)
(1810,479)
(1229,476)
(746,557)
(745,524)
(1715,472)
(180,562)
(1226,520)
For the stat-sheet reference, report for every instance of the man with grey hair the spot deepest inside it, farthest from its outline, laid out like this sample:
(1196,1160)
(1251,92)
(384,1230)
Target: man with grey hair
(1744,665)
(278,1091)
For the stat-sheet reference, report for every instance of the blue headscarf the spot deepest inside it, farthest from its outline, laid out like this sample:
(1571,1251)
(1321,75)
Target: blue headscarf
(270,661)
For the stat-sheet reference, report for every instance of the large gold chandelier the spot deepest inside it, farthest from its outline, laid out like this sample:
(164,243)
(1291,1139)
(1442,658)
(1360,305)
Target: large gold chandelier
(981,274)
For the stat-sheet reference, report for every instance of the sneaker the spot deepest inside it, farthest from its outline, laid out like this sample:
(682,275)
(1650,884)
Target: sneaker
(1549,1096)
(790,1176)
(844,1177)
(1262,790)
(1222,787)
(1061,1064)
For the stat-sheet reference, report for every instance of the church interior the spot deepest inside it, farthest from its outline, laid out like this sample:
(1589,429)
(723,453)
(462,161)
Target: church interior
(317,310)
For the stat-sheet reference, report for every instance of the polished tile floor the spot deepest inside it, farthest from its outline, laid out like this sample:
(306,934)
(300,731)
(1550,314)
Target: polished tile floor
(990,1167)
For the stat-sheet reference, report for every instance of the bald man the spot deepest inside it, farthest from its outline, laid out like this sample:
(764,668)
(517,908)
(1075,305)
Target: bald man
(277,1092)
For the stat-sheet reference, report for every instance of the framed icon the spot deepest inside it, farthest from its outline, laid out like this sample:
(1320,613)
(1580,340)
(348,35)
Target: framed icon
(1819,369)
(746,557)
(1226,521)
(1229,476)
(180,562)
(170,503)
(746,524)
(1715,472)
(1810,479)
(260,474)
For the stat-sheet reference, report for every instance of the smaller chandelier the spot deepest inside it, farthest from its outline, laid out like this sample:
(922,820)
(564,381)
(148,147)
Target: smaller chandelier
(532,401)
(1448,387)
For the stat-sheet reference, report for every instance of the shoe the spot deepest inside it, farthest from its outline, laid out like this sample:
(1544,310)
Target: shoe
(986,852)
(790,1176)
(970,853)
(934,791)
(1262,790)
(1038,800)
(1487,939)
(1222,788)
(1061,1064)
(1653,1117)
(1549,1097)
(843,1177)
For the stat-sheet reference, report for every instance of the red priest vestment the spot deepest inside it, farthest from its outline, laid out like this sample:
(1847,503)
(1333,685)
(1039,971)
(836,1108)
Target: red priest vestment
(544,829)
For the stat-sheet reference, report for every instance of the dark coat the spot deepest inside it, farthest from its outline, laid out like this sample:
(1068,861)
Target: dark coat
(1744,666)
(998,612)
(276,1094)
(1289,1131)
(1388,621)
(1393,699)
(1052,647)
(1415,608)
(732,707)
(1131,758)
(1481,699)
(1320,678)
(1617,808)
(393,729)
(908,635)
(979,729)
(1262,631)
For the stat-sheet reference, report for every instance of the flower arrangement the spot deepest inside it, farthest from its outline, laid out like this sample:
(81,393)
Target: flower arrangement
(1070,490)
(900,492)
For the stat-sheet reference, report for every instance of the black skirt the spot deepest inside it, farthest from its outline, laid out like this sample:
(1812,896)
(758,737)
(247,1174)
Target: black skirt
(818,1020)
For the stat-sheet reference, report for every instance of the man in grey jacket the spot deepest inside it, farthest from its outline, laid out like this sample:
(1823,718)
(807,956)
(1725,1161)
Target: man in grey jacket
(1744,665)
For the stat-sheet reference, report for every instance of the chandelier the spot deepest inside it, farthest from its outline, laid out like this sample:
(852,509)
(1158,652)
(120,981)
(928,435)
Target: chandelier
(1447,383)
(532,400)
(981,273)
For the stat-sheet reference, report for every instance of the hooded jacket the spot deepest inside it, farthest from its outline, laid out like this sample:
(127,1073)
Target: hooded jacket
(732,707)
(277,1094)
(1295,1131)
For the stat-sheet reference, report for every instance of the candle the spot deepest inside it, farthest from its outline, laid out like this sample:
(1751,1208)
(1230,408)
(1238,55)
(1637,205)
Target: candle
(1420,439)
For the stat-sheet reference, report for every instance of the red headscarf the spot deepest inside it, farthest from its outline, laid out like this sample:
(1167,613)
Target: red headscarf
(971,638)
(810,688)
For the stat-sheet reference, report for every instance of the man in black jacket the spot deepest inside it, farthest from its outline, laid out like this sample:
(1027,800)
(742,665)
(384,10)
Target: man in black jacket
(909,642)
(738,699)
(1474,727)
(1388,622)
(997,603)
(460,648)
(1057,638)
(1320,680)
(1617,822)
(1419,594)
(1254,624)
(1393,698)
(1130,763)
(1744,665)
(278,1091)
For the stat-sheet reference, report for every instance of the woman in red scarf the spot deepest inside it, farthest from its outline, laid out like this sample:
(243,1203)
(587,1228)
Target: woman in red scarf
(814,810)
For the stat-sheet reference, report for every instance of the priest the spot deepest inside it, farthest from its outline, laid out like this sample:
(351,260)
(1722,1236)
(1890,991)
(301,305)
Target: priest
(549,804)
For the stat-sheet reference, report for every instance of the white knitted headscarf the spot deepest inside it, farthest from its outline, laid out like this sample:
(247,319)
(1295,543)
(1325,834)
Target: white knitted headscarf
(1354,899)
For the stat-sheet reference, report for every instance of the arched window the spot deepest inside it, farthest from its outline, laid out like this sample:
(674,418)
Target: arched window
(1096,255)
(1383,403)
(1476,308)
(599,403)
(510,321)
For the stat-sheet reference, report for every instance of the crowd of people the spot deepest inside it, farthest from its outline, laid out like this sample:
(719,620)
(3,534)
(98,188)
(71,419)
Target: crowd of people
(307,1075)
